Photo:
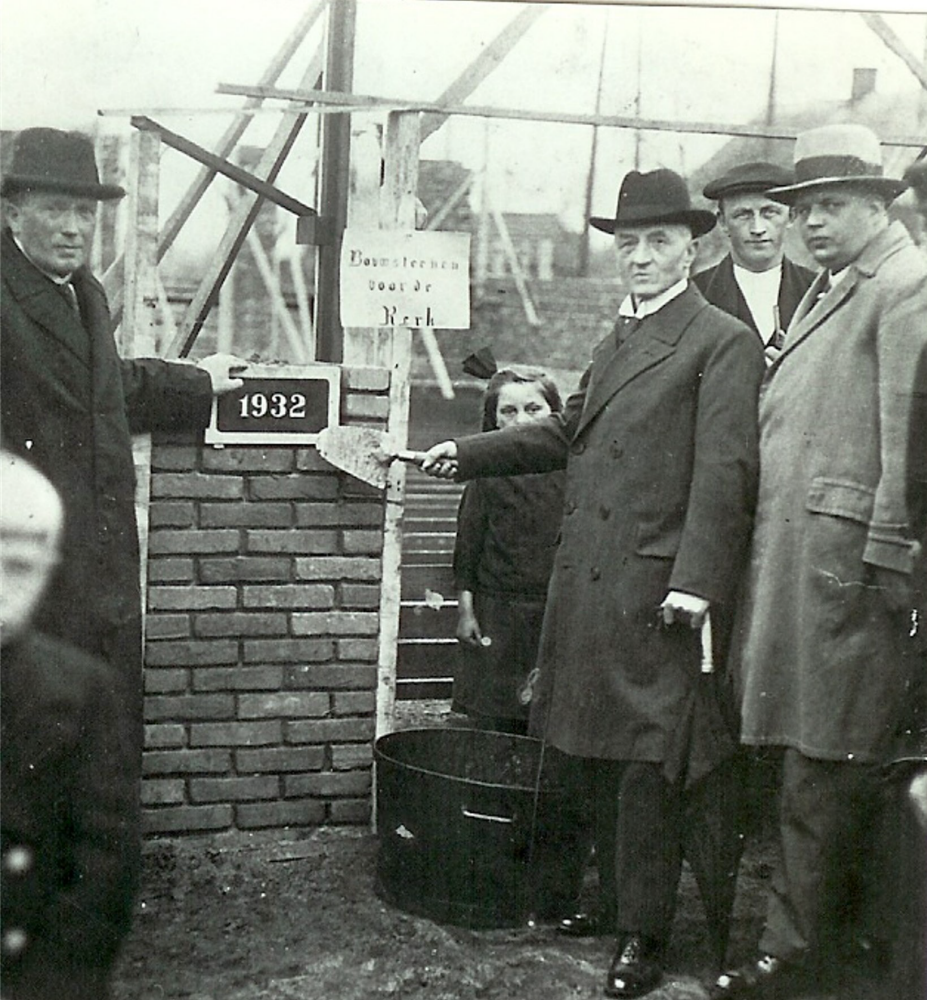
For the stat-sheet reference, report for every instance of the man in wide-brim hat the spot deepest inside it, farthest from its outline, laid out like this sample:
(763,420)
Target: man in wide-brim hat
(659,444)
(70,404)
(823,658)
(755,281)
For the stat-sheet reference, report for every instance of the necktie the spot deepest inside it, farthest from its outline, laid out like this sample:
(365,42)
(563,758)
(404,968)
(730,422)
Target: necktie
(626,326)
(71,295)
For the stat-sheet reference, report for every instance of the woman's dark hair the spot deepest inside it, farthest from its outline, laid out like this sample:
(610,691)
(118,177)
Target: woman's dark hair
(506,376)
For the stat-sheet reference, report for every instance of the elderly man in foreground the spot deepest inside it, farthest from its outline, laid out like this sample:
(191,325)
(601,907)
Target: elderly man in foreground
(659,445)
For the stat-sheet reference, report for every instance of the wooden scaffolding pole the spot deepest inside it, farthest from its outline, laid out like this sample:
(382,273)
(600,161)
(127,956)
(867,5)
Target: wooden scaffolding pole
(397,212)
(137,335)
(223,149)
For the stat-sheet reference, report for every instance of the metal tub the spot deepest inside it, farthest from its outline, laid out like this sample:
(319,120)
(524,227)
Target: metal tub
(477,829)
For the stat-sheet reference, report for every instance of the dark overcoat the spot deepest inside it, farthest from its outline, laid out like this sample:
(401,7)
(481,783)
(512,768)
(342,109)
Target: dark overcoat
(70,405)
(720,287)
(68,822)
(660,449)
(820,652)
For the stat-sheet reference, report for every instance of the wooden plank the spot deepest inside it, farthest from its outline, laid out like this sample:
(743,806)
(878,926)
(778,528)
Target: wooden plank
(268,167)
(363,102)
(222,166)
(397,212)
(877,23)
(518,274)
(224,147)
(137,334)
(489,58)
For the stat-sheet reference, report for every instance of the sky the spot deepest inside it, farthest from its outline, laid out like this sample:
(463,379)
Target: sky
(63,61)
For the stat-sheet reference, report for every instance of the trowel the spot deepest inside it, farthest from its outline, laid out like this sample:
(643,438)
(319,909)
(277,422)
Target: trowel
(363,452)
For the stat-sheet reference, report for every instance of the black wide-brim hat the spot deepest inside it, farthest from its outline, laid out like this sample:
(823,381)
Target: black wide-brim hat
(844,154)
(748,178)
(48,159)
(648,199)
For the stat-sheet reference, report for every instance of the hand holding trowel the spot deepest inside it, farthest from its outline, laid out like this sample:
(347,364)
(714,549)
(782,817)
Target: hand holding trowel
(363,452)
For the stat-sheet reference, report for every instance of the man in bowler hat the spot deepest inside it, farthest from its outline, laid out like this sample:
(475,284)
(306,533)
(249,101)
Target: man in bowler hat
(70,404)
(823,655)
(69,838)
(659,444)
(755,282)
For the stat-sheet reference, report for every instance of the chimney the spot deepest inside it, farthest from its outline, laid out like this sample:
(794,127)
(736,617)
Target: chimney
(864,81)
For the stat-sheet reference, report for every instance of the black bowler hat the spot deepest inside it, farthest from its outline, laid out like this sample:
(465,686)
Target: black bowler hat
(47,159)
(652,198)
(748,178)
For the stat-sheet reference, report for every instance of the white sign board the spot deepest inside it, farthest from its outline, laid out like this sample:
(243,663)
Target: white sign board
(409,279)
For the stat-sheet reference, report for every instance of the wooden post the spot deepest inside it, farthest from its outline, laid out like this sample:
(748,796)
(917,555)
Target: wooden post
(366,346)
(397,211)
(137,335)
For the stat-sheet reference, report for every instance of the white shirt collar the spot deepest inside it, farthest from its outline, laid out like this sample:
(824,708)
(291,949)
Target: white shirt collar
(649,306)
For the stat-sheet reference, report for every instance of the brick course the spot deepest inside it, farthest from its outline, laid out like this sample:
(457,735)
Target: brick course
(261,633)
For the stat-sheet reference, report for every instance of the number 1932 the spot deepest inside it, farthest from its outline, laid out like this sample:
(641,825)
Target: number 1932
(278,405)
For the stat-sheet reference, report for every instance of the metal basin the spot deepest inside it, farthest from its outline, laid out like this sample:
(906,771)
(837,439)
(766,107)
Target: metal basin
(477,829)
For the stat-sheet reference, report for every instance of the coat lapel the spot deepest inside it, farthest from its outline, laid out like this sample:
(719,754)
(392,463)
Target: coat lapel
(813,311)
(656,339)
(43,303)
(729,291)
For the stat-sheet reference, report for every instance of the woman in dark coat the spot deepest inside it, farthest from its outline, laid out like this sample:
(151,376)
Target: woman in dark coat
(506,539)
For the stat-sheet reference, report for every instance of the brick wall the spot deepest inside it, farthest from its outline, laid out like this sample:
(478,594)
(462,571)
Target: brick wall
(261,633)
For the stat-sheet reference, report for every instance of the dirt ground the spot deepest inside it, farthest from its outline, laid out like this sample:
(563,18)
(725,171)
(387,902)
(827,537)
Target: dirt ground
(236,918)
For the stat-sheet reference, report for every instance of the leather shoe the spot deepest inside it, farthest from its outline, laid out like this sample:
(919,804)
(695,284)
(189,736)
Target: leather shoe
(635,970)
(766,978)
(586,925)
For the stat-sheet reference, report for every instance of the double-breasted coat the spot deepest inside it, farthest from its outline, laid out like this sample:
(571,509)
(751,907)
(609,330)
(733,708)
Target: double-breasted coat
(819,654)
(70,405)
(660,447)
(68,822)
(719,286)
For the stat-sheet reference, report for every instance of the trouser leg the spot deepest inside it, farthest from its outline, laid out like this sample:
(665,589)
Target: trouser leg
(648,851)
(826,819)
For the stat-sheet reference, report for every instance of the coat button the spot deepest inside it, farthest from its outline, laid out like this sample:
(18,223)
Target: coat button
(578,448)
(17,860)
(605,512)
(569,507)
(14,940)
(616,450)
(595,573)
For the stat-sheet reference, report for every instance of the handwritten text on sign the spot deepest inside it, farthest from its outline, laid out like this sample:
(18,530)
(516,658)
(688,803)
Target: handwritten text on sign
(405,279)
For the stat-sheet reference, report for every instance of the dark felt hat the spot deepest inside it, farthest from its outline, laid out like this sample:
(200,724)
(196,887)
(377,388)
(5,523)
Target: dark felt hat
(843,154)
(47,159)
(748,178)
(655,197)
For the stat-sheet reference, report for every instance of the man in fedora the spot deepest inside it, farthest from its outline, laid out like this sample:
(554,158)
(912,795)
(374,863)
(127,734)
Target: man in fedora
(823,658)
(755,282)
(659,444)
(70,404)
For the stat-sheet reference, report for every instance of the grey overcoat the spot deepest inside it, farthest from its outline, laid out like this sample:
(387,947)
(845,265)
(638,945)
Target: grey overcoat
(819,652)
(660,447)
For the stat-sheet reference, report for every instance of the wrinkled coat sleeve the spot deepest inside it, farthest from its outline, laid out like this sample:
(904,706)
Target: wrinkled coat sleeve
(899,340)
(539,446)
(722,496)
(165,395)
(471,533)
